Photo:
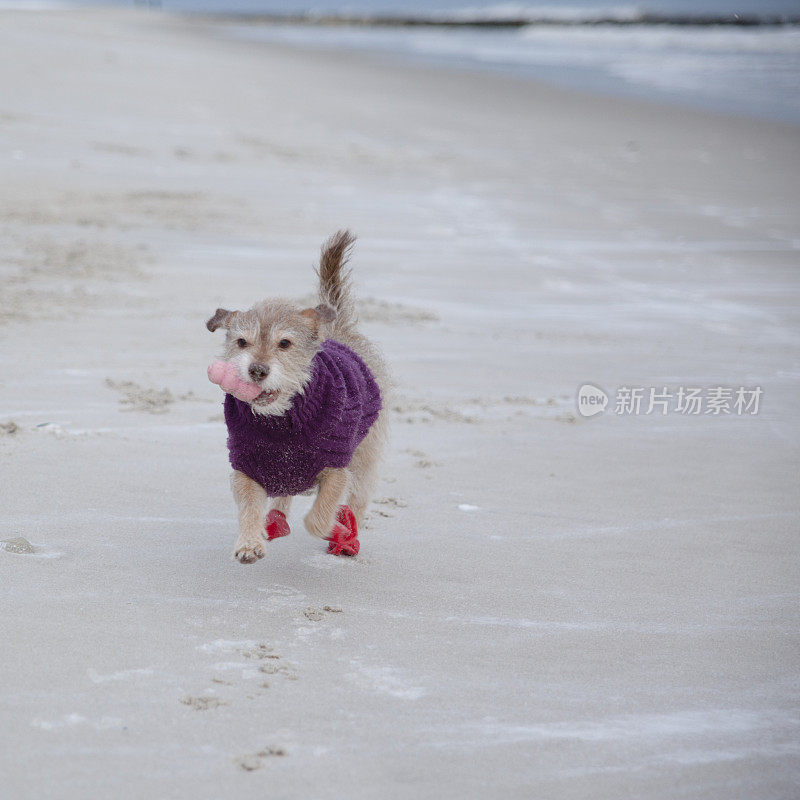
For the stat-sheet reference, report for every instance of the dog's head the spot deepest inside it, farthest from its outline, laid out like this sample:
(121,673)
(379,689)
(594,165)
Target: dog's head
(272,344)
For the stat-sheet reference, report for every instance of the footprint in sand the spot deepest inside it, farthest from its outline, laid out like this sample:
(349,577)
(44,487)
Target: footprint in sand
(202,703)
(259,652)
(136,398)
(389,502)
(422,460)
(318,614)
(268,663)
(414,411)
(253,761)
(276,668)
(19,544)
(152,401)
(392,502)
(271,662)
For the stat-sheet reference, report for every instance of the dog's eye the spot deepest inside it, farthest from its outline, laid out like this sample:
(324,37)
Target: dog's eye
(241,342)
(284,344)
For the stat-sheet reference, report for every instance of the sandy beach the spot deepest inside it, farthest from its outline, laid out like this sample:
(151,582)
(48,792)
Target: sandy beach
(545,605)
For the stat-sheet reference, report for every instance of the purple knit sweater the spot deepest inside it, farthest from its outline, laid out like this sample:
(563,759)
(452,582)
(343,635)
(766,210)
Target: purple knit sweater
(322,428)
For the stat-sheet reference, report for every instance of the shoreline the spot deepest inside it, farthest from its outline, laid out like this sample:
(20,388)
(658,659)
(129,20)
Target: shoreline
(637,96)
(392,21)
(610,61)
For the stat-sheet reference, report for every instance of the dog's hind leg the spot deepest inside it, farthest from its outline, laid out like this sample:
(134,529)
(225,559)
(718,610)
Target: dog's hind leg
(252,502)
(322,516)
(364,470)
(364,474)
(282,504)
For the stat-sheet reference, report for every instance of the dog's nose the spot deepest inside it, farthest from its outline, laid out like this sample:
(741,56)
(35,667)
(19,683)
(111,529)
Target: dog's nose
(258,371)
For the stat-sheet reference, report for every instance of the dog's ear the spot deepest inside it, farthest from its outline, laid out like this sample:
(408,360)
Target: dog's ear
(221,319)
(316,316)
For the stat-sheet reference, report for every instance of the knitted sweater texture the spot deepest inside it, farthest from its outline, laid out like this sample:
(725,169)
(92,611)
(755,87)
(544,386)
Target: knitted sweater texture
(322,428)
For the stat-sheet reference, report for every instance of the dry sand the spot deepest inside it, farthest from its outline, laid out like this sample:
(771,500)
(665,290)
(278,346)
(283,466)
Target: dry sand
(545,605)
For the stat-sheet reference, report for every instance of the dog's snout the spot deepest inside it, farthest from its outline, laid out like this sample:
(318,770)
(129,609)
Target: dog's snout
(258,371)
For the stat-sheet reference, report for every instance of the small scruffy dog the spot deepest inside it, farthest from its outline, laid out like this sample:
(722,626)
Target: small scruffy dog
(319,419)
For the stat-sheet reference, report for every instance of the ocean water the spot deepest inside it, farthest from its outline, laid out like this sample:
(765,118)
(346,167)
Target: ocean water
(750,70)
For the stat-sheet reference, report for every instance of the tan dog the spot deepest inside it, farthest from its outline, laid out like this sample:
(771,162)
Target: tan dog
(273,345)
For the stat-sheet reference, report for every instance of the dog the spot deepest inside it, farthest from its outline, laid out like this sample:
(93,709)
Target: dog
(320,420)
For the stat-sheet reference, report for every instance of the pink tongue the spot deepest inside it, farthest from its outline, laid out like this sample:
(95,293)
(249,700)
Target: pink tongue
(225,375)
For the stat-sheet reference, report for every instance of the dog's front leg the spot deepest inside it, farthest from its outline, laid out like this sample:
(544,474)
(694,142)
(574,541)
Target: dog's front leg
(252,502)
(320,519)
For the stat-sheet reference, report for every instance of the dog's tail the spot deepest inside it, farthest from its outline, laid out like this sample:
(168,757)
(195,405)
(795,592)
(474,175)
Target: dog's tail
(334,278)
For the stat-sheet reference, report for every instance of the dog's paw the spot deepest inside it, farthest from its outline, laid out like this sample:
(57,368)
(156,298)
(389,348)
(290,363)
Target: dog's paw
(343,538)
(343,541)
(249,552)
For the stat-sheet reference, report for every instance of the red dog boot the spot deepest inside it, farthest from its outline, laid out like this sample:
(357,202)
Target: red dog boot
(344,536)
(277,525)
(344,516)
